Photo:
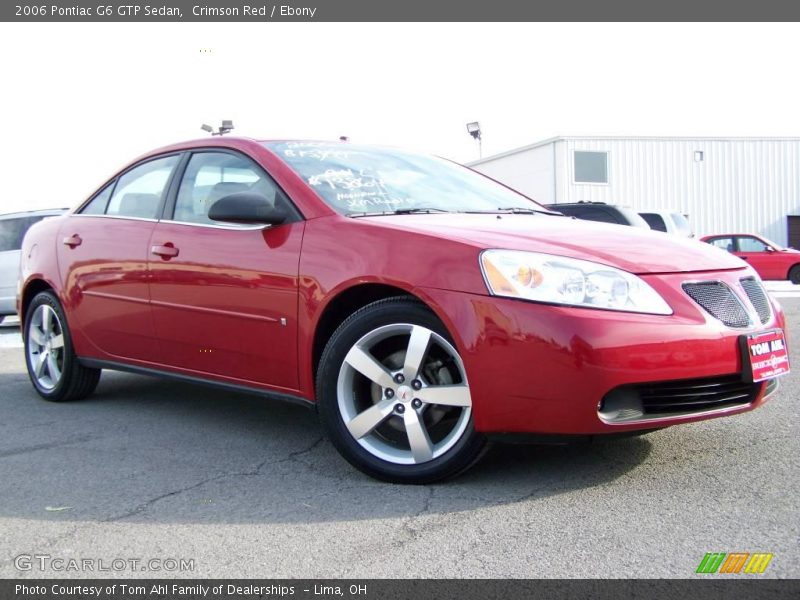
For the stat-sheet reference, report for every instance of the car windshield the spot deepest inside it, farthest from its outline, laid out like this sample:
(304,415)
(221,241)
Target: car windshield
(359,179)
(772,244)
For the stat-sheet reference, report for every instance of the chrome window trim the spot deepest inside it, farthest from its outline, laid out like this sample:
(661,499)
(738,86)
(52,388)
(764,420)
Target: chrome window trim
(121,217)
(206,225)
(212,226)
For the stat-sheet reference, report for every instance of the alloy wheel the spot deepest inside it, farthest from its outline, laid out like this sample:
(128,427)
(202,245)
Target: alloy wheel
(403,394)
(45,346)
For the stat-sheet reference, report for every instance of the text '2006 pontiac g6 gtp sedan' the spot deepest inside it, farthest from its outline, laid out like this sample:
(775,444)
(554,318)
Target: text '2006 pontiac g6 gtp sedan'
(420,307)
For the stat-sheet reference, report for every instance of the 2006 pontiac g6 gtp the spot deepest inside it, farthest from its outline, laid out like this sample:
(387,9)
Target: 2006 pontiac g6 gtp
(422,308)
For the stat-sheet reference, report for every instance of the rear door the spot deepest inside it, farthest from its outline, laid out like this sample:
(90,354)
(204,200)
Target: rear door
(103,253)
(225,296)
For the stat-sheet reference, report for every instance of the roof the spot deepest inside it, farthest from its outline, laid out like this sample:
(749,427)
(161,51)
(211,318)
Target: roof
(655,138)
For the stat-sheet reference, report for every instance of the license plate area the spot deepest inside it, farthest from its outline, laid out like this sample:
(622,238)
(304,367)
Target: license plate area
(764,355)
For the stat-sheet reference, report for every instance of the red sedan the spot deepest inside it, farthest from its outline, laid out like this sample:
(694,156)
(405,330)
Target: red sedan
(768,259)
(420,307)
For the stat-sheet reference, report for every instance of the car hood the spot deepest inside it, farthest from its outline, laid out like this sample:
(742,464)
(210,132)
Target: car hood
(629,248)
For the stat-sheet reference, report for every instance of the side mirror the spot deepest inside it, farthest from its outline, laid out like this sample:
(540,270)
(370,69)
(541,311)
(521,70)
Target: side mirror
(246,208)
(770,249)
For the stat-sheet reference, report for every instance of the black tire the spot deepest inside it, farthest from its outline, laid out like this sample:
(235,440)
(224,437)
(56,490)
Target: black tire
(794,274)
(453,460)
(75,381)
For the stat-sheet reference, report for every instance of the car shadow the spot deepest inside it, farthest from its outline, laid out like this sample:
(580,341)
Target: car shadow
(148,450)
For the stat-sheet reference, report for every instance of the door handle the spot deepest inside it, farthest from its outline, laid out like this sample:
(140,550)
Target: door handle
(745,257)
(165,251)
(73,241)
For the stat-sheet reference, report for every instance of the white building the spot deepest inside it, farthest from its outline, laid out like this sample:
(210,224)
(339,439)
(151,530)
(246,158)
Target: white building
(721,184)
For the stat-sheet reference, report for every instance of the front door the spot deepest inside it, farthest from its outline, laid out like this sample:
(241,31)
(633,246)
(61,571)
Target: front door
(754,251)
(224,297)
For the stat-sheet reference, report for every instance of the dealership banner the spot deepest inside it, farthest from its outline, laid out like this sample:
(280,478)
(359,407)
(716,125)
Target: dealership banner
(396,10)
(389,589)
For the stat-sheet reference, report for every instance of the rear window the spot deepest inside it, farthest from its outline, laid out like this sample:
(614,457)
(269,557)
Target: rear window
(13,230)
(655,221)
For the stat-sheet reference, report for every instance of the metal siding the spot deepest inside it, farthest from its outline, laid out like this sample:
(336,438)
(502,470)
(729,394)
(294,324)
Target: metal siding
(741,185)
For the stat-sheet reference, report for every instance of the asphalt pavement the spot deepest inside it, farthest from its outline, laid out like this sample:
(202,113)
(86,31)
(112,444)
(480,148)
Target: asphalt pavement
(147,469)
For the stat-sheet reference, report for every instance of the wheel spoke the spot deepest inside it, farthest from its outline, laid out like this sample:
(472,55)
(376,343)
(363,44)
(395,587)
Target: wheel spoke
(446,395)
(36,335)
(421,446)
(415,353)
(57,341)
(52,368)
(41,360)
(370,368)
(46,321)
(368,420)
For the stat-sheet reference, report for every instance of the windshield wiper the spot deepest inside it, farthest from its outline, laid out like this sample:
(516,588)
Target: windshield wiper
(512,210)
(399,211)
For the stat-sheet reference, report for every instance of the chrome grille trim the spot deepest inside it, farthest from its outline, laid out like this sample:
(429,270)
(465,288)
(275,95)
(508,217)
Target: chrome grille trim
(720,301)
(758,298)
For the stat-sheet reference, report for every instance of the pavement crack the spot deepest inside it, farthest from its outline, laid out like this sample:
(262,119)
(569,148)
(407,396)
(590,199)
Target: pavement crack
(47,446)
(255,471)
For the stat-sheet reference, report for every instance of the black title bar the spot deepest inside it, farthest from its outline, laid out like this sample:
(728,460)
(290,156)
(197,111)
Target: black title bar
(708,588)
(398,10)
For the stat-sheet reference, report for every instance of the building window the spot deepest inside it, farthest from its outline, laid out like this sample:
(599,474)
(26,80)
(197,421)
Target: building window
(591,167)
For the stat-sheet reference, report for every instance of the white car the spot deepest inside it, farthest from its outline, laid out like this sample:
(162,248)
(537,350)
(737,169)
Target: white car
(668,221)
(13,227)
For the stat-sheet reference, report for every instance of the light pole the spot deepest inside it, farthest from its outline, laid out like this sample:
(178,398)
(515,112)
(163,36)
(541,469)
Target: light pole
(226,127)
(474,129)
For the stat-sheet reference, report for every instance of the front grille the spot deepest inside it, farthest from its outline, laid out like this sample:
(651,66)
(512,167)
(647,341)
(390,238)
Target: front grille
(696,395)
(758,297)
(719,301)
(642,401)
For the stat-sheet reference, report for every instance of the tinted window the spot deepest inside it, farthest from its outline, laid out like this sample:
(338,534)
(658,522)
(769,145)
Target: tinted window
(357,179)
(13,230)
(655,221)
(211,175)
(98,204)
(591,167)
(725,243)
(595,214)
(751,244)
(138,192)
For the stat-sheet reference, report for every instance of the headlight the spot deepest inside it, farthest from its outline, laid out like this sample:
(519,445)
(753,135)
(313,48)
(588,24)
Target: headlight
(559,280)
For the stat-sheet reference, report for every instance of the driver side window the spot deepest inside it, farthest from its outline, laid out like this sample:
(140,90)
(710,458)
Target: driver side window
(210,176)
(751,244)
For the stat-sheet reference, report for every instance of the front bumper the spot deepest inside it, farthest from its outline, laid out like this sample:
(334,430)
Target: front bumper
(537,368)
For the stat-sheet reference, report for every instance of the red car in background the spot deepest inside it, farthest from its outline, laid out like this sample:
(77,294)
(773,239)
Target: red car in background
(420,307)
(768,259)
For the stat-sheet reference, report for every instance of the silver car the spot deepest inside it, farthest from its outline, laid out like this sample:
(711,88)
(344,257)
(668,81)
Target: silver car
(12,229)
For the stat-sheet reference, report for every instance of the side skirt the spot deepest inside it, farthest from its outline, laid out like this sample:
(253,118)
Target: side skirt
(93,363)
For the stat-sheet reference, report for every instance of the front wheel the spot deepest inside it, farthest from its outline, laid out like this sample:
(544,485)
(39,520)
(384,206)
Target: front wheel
(52,365)
(394,397)
(794,274)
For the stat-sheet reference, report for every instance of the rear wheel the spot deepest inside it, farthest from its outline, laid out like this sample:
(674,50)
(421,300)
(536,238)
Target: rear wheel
(794,274)
(394,397)
(52,365)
